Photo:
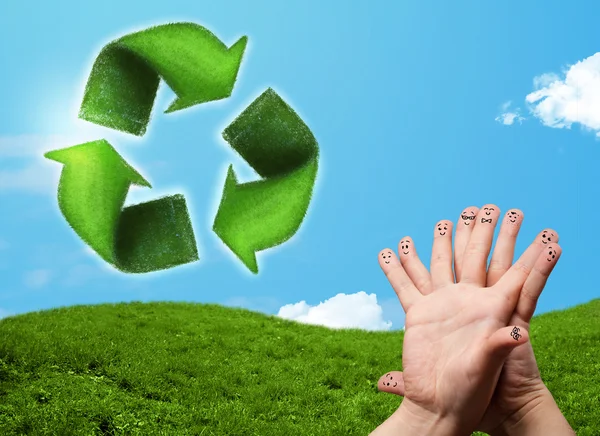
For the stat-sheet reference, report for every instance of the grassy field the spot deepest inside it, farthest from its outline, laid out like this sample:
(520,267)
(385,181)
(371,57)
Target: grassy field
(196,369)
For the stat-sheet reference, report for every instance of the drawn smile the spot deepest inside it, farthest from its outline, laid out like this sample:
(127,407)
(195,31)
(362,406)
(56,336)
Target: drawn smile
(387,259)
(546,238)
(405,246)
(466,218)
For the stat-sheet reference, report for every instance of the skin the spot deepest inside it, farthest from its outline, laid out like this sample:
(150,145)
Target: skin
(519,381)
(468,216)
(549,236)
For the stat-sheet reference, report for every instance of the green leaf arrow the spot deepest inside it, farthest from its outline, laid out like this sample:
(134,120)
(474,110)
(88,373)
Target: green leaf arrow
(140,238)
(122,86)
(280,147)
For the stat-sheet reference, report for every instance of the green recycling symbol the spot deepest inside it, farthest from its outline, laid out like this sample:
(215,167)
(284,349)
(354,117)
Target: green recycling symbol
(158,234)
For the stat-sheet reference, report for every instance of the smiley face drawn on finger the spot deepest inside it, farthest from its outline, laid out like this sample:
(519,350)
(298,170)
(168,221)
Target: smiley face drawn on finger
(404,246)
(551,254)
(547,237)
(488,210)
(387,256)
(512,216)
(467,216)
(389,381)
(442,227)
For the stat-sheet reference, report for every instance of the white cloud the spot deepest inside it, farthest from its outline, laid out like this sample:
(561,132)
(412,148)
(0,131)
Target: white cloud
(37,278)
(357,310)
(509,117)
(561,102)
(575,99)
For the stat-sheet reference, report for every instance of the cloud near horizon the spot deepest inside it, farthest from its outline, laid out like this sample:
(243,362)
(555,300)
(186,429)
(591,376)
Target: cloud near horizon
(359,310)
(561,102)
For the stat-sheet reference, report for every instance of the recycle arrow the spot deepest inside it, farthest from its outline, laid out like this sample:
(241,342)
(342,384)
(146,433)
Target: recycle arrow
(120,93)
(280,147)
(122,86)
(137,239)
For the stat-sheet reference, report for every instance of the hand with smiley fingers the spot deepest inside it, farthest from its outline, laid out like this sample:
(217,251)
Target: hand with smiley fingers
(458,335)
(520,386)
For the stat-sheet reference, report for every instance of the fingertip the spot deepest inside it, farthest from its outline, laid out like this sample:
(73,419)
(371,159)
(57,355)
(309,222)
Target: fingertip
(387,258)
(391,382)
(443,228)
(406,247)
(491,206)
(518,333)
(381,381)
(467,216)
(547,236)
(514,217)
(552,253)
(505,339)
(488,214)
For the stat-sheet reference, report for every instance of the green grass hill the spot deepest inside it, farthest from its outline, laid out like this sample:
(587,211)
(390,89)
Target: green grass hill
(170,368)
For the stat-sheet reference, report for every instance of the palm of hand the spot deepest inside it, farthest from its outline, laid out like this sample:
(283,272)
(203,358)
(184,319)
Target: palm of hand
(437,359)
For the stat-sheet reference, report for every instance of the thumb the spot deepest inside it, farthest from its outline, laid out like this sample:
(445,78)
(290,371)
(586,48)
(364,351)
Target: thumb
(503,341)
(392,383)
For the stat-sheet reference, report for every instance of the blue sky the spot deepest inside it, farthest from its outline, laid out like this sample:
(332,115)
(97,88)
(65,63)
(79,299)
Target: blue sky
(420,109)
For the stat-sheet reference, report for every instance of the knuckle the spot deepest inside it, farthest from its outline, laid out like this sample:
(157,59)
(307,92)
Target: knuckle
(528,293)
(475,248)
(392,272)
(498,266)
(440,258)
(421,282)
(397,278)
(523,267)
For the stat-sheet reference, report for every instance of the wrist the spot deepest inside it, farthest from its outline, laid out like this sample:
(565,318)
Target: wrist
(412,420)
(541,415)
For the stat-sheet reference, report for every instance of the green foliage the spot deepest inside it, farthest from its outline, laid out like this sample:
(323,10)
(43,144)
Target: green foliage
(195,369)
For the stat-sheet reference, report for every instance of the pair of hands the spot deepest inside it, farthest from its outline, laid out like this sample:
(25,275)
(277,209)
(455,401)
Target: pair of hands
(467,357)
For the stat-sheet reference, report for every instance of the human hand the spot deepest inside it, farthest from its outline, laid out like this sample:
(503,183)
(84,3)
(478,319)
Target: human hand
(520,384)
(466,321)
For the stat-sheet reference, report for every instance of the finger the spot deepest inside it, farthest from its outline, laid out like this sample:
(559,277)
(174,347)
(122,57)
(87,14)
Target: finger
(464,228)
(392,383)
(474,265)
(514,279)
(406,291)
(535,282)
(413,266)
(441,255)
(504,251)
(503,341)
